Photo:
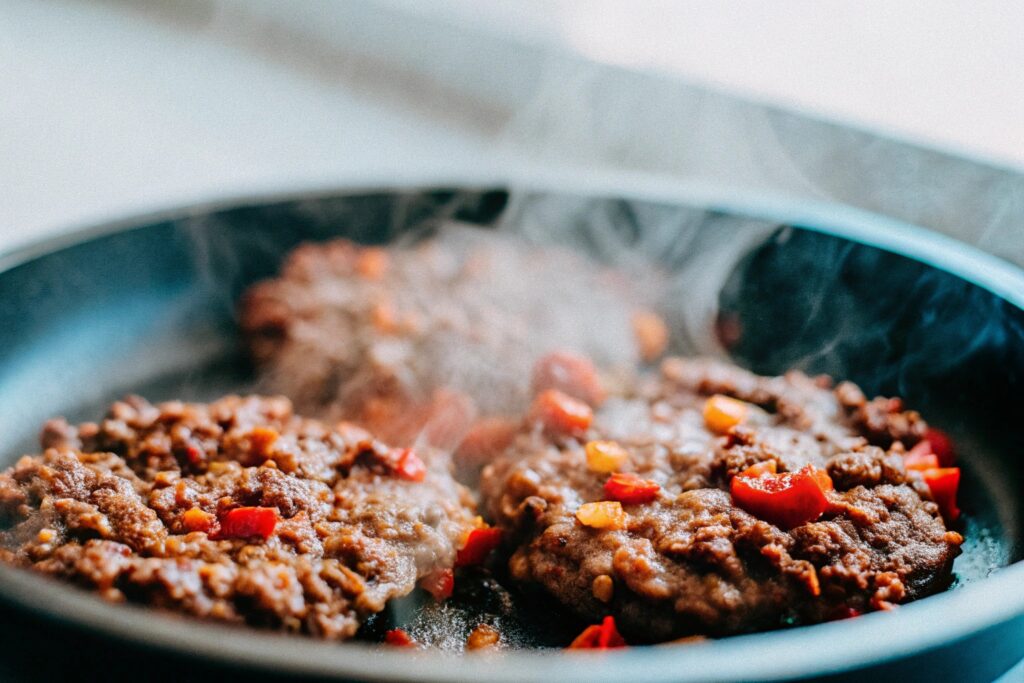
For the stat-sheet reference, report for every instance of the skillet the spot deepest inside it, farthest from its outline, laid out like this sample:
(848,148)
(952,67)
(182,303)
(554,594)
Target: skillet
(146,306)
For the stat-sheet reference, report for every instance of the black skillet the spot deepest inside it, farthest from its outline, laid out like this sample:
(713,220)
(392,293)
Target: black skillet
(146,306)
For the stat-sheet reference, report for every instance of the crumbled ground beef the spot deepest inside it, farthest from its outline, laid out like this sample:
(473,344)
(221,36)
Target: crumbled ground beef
(692,561)
(242,511)
(415,342)
(109,506)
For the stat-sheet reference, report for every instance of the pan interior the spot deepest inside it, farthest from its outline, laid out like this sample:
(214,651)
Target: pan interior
(150,310)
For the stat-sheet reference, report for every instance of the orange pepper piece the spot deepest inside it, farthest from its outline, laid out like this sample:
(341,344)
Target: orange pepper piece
(722,413)
(603,636)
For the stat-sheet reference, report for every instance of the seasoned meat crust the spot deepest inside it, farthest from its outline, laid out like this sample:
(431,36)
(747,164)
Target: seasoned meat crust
(417,341)
(109,506)
(692,561)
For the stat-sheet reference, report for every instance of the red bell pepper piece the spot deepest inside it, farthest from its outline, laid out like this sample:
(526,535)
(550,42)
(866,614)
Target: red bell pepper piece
(407,465)
(248,522)
(941,446)
(561,413)
(569,373)
(603,636)
(630,489)
(439,583)
(943,483)
(479,544)
(195,454)
(920,457)
(786,500)
(399,638)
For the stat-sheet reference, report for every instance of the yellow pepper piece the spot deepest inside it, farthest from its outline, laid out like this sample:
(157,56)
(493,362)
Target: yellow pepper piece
(606,456)
(722,413)
(608,514)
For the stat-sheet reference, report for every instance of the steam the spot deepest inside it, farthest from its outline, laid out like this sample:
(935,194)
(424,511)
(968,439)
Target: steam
(581,117)
(452,329)
(681,256)
(460,310)
(514,101)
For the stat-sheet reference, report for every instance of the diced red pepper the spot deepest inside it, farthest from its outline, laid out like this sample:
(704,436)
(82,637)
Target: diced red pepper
(479,544)
(194,454)
(572,374)
(588,639)
(439,583)
(786,500)
(943,483)
(942,446)
(407,465)
(630,489)
(561,413)
(603,636)
(248,522)
(399,638)
(920,457)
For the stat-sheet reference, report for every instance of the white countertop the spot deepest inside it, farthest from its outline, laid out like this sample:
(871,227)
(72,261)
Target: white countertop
(941,72)
(110,109)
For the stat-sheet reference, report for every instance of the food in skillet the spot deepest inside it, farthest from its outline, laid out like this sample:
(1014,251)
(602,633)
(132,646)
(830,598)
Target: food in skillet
(698,500)
(704,500)
(237,510)
(416,341)
(712,501)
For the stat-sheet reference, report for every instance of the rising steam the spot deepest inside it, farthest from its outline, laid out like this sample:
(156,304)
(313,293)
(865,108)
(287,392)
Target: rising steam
(453,316)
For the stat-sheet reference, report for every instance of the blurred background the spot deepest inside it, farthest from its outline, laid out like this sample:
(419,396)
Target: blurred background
(911,109)
(110,108)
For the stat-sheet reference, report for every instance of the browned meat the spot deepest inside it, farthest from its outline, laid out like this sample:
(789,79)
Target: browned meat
(399,339)
(882,420)
(237,510)
(691,561)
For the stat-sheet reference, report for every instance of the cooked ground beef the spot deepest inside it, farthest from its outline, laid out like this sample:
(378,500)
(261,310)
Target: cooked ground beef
(691,561)
(420,339)
(116,507)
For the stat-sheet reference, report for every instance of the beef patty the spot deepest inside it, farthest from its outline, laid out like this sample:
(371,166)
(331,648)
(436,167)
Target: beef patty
(422,338)
(237,510)
(689,559)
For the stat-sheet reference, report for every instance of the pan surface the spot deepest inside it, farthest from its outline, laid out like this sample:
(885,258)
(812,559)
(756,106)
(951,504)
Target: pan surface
(146,307)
